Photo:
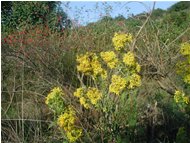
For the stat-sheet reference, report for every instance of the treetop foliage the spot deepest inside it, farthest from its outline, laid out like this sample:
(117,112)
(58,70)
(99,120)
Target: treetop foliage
(30,13)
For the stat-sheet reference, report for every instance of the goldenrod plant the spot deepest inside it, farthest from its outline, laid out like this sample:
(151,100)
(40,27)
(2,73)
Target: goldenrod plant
(65,115)
(184,66)
(55,101)
(114,79)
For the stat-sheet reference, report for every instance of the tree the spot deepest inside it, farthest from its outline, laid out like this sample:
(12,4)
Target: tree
(17,14)
(158,13)
(183,5)
(63,20)
(120,18)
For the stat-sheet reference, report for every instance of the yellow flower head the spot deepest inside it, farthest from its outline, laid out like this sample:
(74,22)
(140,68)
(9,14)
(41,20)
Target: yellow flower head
(129,59)
(84,102)
(84,63)
(104,74)
(89,64)
(187,78)
(74,134)
(110,58)
(120,40)
(135,81)
(57,90)
(66,121)
(55,93)
(88,96)
(185,49)
(96,66)
(178,96)
(94,95)
(186,100)
(138,67)
(79,92)
(117,85)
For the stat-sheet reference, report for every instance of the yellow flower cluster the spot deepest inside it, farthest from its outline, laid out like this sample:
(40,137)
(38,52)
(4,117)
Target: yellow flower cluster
(117,84)
(180,97)
(129,59)
(88,96)
(84,102)
(74,135)
(104,74)
(84,63)
(66,122)
(187,78)
(184,66)
(55,92)
(138,67)
(110,58)
(94,95)
(186,100)
(184,70)
(96,66)
(89,65)
(135,81)
(79,92)
(120,40)
(185,49)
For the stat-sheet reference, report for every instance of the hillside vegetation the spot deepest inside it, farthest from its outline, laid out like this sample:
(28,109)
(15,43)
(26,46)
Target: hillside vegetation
(116,80)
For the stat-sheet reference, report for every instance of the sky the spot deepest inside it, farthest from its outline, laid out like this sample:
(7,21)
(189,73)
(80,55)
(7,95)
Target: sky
(84,12)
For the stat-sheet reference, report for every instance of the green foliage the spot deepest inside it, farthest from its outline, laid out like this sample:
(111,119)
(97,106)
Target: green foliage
(106,19)
(183,5)
(25,14)
(120,18)
(158,13)
(182,135)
